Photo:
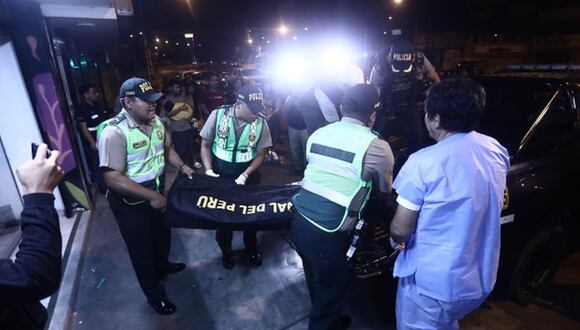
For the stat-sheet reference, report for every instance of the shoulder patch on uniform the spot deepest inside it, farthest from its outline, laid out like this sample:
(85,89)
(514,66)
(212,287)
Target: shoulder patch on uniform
(117,119)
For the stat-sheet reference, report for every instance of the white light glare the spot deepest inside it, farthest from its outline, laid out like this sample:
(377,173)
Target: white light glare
(336,58)
(282,29)
(290,70)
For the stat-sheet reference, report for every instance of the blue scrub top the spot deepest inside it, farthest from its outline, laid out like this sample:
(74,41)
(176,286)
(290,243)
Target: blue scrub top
(457,186)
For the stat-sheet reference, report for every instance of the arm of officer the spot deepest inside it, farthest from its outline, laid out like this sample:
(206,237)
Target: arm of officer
(256,163)
(177,162)
(380,159)
(431,72)
(85,132)
(125,186)
(82,121)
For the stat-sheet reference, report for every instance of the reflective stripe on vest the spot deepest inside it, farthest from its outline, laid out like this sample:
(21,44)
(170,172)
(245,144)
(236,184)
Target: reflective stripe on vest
(335,156)
(145,155)
(225,146)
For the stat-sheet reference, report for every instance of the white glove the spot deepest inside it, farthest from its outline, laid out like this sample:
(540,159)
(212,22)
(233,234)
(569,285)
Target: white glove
(212,174)
(242,179)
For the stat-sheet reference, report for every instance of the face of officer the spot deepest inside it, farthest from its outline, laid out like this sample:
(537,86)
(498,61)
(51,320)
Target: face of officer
(244,113)
(91,95)
(141,110)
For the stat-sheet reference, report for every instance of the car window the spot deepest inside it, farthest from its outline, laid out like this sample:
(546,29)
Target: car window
(556,127)
(512,106)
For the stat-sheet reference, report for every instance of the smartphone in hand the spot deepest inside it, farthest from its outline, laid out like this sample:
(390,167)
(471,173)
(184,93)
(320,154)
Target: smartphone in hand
(34,149)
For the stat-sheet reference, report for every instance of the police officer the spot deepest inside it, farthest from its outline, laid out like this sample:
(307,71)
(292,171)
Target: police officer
(235,141)
(89,115)
(400,75)
(346,160)
(133,148)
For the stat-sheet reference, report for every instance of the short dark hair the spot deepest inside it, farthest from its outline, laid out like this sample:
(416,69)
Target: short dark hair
(84,87)
(360,101)
(458,102)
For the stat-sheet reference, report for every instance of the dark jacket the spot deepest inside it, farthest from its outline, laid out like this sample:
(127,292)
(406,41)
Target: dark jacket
(36,272)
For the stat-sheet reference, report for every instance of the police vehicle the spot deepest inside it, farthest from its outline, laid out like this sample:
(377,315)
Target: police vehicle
(536,116)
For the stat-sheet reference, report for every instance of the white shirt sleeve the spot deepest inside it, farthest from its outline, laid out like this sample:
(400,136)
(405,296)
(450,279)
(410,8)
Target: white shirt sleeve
(326,106)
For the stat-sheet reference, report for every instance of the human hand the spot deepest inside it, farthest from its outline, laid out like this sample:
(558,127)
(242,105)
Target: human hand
(212,174)
(159,202)
(395,245)
(241,180)
(187,171)
(41,174)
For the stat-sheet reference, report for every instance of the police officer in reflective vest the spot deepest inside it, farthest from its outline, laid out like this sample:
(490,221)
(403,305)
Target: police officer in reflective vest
(401,73)
(133,147)
(235,140)
(346,161)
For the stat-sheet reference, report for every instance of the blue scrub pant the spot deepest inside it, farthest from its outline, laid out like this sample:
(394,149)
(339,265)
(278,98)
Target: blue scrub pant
(417,311)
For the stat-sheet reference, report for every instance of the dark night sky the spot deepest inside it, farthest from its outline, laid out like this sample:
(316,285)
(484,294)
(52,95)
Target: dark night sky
(223,15)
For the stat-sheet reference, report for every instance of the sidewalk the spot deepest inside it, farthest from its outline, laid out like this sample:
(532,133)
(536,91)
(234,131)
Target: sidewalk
(273,296)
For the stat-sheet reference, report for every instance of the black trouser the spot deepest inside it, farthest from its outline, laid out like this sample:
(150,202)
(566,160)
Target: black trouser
(407,117)
(92,157)
(326,269)
(184,145)
(148,241)
(224,236)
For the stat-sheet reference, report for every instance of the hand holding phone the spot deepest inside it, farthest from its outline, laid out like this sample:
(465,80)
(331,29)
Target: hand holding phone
(41,174)
(34,148)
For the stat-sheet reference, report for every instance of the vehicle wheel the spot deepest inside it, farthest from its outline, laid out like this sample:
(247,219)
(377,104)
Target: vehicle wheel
(537,264)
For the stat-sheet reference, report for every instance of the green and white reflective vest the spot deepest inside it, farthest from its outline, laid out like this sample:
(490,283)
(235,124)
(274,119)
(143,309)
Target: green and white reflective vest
(335,156)
(232,156)
(145,154)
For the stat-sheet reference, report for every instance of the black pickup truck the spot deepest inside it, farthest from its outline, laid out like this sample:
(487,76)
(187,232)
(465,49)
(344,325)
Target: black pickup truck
(536,116)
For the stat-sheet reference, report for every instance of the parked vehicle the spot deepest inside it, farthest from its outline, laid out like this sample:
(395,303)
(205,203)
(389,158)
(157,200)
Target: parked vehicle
(537,118)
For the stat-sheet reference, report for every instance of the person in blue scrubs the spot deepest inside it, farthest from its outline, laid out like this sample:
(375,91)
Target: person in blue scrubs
(448,215)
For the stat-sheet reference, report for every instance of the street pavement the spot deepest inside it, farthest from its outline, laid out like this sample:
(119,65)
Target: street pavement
(271,297)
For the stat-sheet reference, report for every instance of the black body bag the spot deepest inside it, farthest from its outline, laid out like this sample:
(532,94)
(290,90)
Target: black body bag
(209,203)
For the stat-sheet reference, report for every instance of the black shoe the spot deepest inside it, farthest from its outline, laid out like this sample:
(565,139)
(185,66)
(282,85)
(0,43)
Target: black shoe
(341,323)
(255,258)
(174,267)
(163,306)
(228,260)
